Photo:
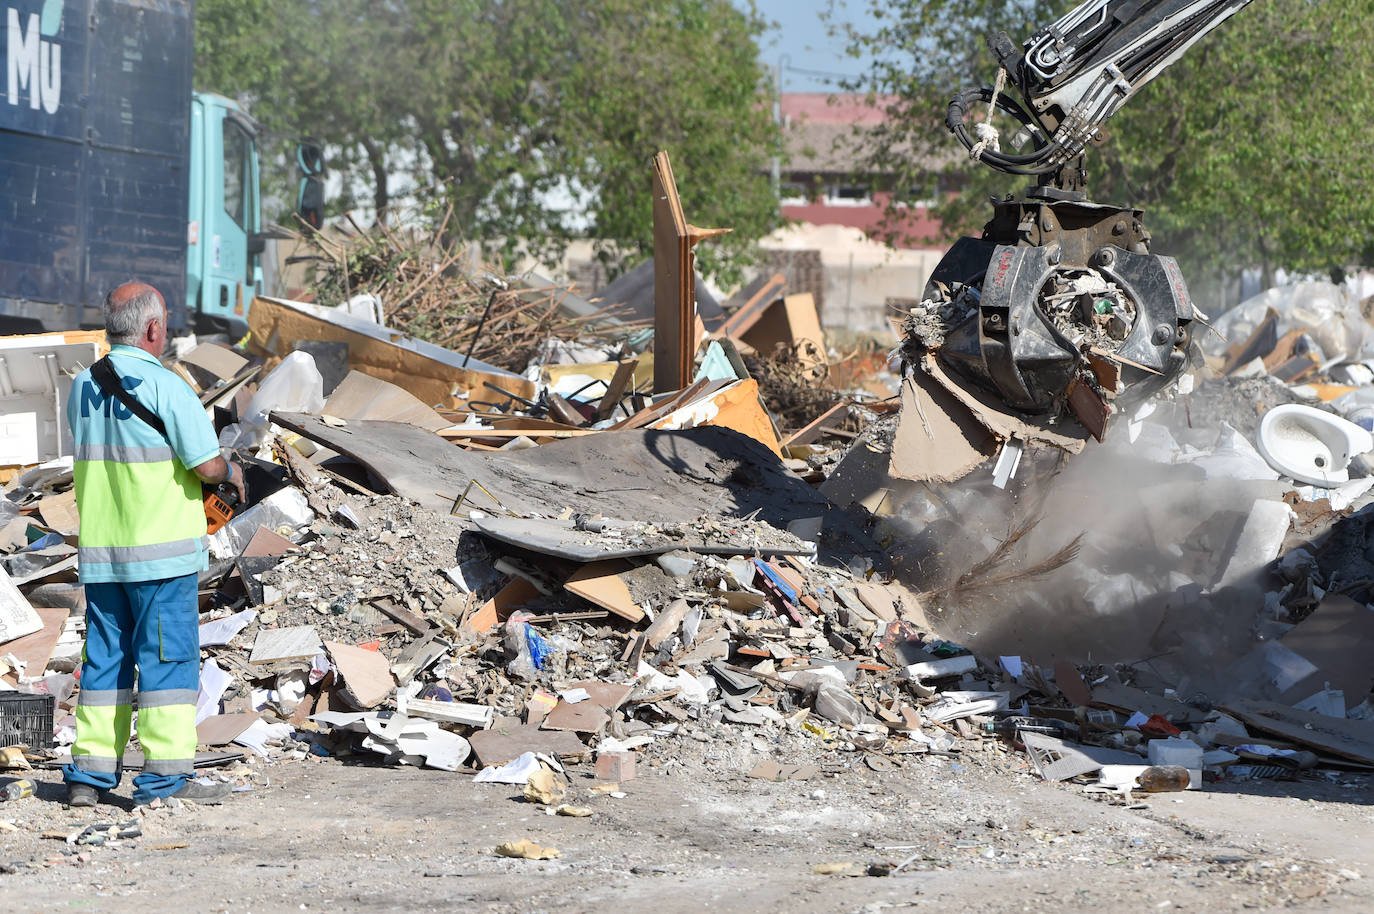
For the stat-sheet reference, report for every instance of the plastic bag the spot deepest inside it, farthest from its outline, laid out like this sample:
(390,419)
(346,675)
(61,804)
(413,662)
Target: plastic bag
(293,386)
(526,650)
(1328,313)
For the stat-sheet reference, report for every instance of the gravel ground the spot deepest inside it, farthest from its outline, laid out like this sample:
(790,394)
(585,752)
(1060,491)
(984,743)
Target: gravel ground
(693,832)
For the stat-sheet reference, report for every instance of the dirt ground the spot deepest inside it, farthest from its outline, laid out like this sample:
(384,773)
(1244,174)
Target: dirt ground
(976,831)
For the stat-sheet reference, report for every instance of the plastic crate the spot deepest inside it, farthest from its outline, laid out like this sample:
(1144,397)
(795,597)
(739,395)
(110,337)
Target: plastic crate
(26,720)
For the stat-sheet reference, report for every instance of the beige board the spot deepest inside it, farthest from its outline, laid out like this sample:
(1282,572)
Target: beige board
(220,361)
(790,321)
(59,512)
(223,729)
(366,675)
(361,396)
(938,438)
(430,373)
(600,583)
(989,411)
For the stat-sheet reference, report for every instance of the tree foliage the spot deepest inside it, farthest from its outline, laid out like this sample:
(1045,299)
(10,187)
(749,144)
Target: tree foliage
(532,120)
(1251,151)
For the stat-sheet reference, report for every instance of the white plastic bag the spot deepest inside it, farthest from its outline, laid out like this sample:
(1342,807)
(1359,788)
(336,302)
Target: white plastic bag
(293,386)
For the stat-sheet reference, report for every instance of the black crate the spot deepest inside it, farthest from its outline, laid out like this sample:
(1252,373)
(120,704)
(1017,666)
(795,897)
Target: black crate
(26,720)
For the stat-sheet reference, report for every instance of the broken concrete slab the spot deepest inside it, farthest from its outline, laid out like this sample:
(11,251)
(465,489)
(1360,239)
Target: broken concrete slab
(294,643)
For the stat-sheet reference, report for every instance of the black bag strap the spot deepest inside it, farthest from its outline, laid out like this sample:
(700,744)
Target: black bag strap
(104,374)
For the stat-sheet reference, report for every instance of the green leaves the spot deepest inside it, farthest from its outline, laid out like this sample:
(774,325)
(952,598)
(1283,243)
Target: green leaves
(1251,151)
(533,119)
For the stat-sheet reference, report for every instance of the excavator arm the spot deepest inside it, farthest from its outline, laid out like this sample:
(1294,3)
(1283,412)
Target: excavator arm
(1075,73)
(1058,284)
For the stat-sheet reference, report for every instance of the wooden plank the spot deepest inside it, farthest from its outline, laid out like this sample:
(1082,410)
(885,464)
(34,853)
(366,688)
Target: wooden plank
(399,613)
(813,430)
(1259,344)
(615,391)
(1089,408)
(748,313)
(667,622)
(659,410)
(1338,736)
(675,339)
(600,583)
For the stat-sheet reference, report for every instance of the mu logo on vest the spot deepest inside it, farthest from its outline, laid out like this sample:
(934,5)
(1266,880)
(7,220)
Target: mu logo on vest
(33,62)
(93,396)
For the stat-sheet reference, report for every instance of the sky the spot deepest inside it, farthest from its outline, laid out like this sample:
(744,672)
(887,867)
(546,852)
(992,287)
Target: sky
(810,58)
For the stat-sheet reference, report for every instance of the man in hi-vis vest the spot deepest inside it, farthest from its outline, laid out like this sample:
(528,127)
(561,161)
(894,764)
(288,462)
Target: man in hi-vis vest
(143,446)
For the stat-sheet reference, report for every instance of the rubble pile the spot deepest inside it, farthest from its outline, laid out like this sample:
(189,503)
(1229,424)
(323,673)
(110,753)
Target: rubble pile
(448,563)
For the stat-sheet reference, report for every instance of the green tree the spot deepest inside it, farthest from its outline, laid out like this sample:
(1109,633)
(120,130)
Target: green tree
(532,120)
(1248,152)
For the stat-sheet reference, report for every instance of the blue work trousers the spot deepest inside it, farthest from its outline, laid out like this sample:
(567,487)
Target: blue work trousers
(151,627)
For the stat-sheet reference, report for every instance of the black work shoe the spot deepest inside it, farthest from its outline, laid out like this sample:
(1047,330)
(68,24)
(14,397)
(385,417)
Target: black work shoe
(209,794)
(83,795)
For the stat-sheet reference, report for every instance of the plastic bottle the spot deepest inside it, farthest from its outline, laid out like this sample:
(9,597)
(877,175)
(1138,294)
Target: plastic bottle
(1164,779)
(16,790)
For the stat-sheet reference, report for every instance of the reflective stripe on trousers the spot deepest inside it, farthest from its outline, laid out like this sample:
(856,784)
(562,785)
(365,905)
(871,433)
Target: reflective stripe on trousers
(148,628)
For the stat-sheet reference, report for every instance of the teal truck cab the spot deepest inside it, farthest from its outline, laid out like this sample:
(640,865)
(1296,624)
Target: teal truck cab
(224,226)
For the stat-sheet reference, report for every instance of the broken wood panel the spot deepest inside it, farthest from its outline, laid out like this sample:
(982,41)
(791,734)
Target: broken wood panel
(1338,736)
(816,427)
(600,583)
(1089,408)
(615,391)
(751,309)
(675,325)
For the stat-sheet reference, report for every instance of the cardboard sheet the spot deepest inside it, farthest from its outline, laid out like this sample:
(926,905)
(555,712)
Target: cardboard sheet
(35,649)
(59,512)
(736,407)
(990,412)
(361,396)
(938,438)
(790,320)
